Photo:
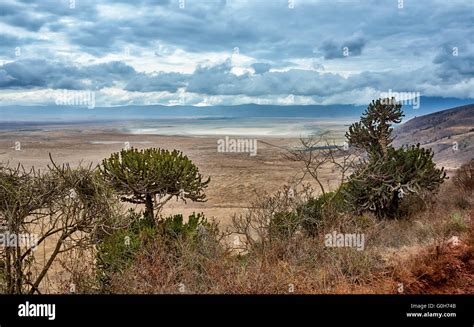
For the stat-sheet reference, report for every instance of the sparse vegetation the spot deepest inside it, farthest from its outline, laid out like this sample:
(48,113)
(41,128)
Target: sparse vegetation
(464,177)
(118,251)
(276,247)
(261,263)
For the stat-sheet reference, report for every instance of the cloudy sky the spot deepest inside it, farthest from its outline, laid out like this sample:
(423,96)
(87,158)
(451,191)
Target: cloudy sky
(208,52)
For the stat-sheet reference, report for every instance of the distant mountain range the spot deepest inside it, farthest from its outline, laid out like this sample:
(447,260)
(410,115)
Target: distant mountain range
(450,133)
(69,113)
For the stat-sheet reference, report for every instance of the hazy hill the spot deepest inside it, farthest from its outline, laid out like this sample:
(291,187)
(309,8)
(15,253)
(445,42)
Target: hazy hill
(442,131)
(54,113)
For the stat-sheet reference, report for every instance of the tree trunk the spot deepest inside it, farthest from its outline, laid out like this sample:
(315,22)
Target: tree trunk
(394,204)
(8,271)
(149,212)
(383,147)
(18,268)
(9,264)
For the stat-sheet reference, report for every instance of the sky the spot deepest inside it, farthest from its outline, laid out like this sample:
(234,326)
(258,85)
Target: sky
(228,52)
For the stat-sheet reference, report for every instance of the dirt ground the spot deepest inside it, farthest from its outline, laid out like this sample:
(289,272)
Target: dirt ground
(443,269)
(237,179)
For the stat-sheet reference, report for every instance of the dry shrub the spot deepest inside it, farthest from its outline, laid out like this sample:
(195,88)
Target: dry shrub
(266,264)
(258,226)
(319,271)
(78,273)
(464,177)
(254,260)
(445,266)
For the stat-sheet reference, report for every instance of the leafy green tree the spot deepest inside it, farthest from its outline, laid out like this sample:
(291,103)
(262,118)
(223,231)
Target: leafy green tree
(387,175)
(154,176)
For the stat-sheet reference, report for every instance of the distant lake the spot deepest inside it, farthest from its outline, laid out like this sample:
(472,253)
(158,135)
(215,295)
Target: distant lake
(201,127)
(251,127)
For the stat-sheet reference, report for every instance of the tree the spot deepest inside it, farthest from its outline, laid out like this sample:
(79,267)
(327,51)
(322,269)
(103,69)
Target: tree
(387,175)
(63,207)
(153,176)
(317,154)
(374,132)
(380,186)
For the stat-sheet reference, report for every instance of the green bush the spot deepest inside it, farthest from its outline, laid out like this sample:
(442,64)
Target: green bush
(174,228)
(284,224)
(382,185)
(456,225)
(410,205)
(313,212)
(118,250)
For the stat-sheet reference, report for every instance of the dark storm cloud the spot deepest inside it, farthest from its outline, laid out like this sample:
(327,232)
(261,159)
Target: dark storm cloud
(456,60)
(407,48)
(351,47)
(211,80)
(14,15)
(262,29)
(34,73)
(214,80)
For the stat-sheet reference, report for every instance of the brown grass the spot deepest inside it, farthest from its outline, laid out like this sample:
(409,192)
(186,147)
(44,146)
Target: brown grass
(409,256)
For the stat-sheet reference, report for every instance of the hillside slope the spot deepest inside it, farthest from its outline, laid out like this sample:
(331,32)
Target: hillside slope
(442,131)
